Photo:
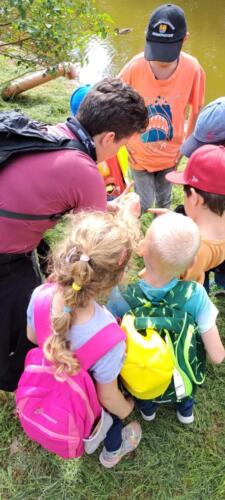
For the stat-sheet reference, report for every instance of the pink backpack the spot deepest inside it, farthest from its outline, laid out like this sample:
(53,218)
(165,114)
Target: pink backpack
(60,414)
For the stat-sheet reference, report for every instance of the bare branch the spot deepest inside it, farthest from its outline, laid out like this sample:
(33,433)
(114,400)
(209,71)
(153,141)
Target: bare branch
(28,60)
(17,42)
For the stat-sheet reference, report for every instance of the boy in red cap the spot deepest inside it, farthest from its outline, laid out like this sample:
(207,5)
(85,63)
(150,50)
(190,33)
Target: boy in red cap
(204,201)
(170,81)
(209,129)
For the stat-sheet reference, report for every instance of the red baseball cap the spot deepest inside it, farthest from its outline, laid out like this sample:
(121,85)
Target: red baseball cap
(205,170)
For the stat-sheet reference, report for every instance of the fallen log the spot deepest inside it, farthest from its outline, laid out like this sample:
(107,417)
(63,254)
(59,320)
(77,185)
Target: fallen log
(32,80)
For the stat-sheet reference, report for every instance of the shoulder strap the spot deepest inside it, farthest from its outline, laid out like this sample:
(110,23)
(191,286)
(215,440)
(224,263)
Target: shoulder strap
(180,294)
(102,342)
(21,216)
(133,295)
(175,298)
(31,145)
(42,310)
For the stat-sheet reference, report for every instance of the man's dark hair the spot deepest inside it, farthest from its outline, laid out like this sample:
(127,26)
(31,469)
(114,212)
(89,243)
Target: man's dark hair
(215,202)
(113,106)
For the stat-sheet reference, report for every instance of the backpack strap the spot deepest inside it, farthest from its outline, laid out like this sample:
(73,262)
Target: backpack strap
(96,347)
(176,297)
(180,294)
(32,145)
(133,295)
(42,313)
(21,216)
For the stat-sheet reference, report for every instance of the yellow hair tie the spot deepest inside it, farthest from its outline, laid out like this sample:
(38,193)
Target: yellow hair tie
(76,287)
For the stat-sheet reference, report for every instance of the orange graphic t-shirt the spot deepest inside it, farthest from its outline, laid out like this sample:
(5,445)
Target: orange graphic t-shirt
(168,102)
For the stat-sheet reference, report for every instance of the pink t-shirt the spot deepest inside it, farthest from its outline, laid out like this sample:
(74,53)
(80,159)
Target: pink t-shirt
(46,183)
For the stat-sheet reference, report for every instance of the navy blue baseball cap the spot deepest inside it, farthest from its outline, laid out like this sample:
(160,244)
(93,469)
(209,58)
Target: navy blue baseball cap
(165,33)
(209,127)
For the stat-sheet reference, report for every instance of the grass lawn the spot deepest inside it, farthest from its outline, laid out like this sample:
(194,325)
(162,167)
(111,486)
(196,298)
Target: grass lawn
(172,461)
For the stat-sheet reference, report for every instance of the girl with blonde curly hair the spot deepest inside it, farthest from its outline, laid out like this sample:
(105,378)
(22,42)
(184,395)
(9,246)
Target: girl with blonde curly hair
(86,264)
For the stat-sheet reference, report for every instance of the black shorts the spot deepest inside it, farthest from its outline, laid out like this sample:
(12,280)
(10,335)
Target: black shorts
(19,275)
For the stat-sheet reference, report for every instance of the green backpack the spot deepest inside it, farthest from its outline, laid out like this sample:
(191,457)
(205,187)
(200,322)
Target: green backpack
(178,329)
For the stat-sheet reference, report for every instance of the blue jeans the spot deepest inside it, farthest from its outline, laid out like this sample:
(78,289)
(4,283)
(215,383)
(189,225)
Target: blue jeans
(185,408)
(113,438)
(152,187)
(218,276)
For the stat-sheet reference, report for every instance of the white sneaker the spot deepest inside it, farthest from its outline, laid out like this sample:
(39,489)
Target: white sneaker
(148,418)
(185,420)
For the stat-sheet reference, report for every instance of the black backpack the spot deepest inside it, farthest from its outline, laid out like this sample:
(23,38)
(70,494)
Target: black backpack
(21,135)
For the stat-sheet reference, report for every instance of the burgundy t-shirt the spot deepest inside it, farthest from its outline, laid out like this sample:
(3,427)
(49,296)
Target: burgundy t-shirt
(46,183)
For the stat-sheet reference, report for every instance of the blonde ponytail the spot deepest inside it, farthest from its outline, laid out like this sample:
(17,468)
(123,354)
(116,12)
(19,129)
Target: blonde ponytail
(56,348)
(88,262)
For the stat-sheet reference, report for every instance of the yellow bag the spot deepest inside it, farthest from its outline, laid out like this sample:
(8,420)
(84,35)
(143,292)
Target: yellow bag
(122,156)
(148,366)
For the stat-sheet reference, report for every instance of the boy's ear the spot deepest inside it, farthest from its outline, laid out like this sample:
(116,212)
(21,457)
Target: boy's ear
(186,38)
(104,139)
(196,198)
(107,138)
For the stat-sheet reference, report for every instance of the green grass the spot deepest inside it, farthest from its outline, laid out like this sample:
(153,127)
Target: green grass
(171,462)
(48,102)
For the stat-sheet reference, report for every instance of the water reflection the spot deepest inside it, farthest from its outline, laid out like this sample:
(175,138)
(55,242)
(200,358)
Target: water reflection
(206,23)
(99,61)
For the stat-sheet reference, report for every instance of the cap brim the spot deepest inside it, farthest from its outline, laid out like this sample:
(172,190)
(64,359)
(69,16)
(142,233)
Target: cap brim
(190,145)
(176,177)
(165,52)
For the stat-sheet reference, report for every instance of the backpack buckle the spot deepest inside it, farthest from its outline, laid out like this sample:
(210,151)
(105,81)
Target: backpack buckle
(58,216)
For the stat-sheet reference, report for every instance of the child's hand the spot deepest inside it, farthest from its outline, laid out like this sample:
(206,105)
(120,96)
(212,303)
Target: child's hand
(128,202)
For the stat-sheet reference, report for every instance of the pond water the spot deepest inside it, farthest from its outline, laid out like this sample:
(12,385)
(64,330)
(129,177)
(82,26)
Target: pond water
(206,24)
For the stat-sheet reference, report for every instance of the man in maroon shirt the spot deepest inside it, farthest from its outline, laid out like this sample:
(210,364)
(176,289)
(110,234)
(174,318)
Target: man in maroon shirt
(54,182)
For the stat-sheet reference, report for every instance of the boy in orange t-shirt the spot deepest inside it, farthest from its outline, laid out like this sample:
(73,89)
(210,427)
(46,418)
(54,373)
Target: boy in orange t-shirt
(170,81)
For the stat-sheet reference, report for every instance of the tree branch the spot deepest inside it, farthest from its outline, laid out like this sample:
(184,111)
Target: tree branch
(7,82)
(28,60)
(18,42)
